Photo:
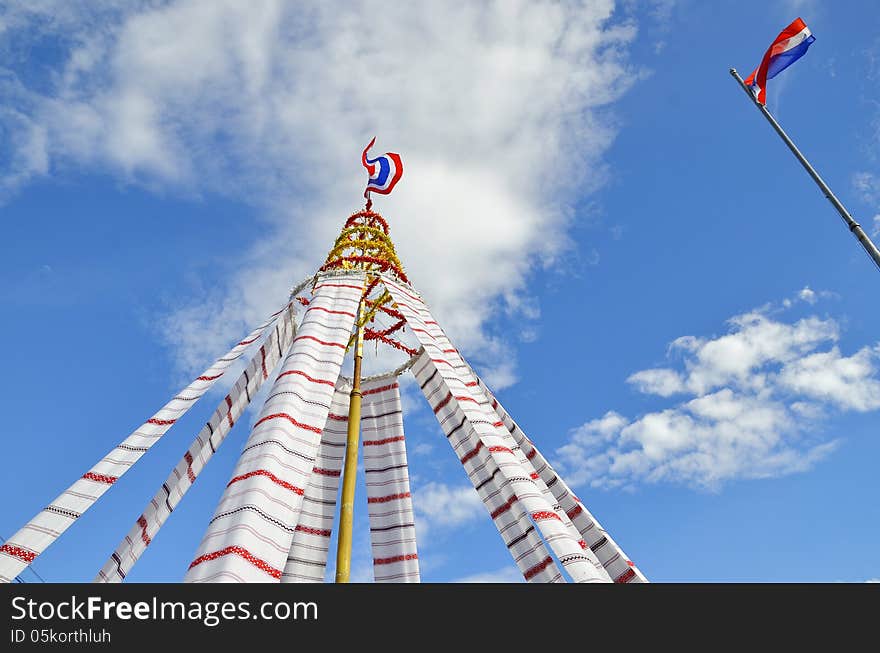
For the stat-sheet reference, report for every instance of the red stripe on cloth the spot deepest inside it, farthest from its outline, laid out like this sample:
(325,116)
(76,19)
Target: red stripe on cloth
(327,310)
(313,429)
(18,552)
(504,507)
(467,399)
(209,378)
(471,384)
(583,544)
(307,377)
(161,422)
(390,497)
(325,472)
(534,476)
(532,454)
(473,452)
(545,514)
(323,342)
(626,576)
(100,478)
(400,558)
(382,389)
(189,470)
(229,412)
(432,322)
(142,522)
(497,423)
(574,512)
(239,551)
(531,572)
(499,448)
(271,477)
(247,342)
(445,401)
(313,531)
(337,418)
(263,362)
(451,351)
(369,443)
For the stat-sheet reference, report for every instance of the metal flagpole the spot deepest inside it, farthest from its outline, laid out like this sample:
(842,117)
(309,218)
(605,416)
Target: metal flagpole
(854,227)
(349,474)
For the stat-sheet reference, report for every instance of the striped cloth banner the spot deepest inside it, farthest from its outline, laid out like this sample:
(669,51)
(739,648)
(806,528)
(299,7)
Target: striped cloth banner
(307,558)
(389,500)
(41,531)
(517,530)
(526,464)
(460,389)
(209,439)
(250,535)
(616,562)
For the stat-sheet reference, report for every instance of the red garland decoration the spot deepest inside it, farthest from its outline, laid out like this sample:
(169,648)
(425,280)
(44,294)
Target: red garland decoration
(368,215)
(370,334)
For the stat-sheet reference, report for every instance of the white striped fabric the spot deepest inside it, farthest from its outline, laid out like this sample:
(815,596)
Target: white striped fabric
(252,530)
(462,391)
(481,394)
(307,558)
(41,531)
(389,501)
(209,439)
(516,529)
(526,464)
(616,563)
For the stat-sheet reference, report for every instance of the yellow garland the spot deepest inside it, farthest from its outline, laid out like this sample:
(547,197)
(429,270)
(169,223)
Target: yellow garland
(368,246)
(372,242)
(375,231)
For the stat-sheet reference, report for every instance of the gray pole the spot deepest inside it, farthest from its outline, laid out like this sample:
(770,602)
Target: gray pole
(853,226)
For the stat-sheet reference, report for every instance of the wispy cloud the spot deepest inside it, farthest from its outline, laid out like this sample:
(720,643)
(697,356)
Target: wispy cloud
(272,102)
(867,184)
(443,507)
(751,403)
(503,575)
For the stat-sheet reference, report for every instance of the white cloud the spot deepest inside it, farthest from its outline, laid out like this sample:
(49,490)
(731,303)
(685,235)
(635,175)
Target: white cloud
(663,382)
(868,185)
(755,340)
(756,396)
(440,506)
(875,230)
(848,382)
(503,575)
(807,294)
(272,102)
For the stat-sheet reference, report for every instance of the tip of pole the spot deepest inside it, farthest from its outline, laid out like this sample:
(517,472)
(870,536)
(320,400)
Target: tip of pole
(733,71)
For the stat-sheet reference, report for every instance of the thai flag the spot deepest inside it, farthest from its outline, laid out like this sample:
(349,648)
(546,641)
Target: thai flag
(789,46)
(385,171)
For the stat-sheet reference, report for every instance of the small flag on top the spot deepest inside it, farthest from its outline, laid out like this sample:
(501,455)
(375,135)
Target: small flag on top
(385,171)
(789,46)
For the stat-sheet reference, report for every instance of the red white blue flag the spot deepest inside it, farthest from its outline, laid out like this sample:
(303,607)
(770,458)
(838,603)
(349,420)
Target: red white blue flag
(789,46)
(385,171)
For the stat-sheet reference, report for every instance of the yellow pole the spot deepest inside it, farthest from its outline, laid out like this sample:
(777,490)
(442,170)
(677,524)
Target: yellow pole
(349,475)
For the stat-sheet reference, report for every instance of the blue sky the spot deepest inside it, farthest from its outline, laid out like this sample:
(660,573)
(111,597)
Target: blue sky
(605,225)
